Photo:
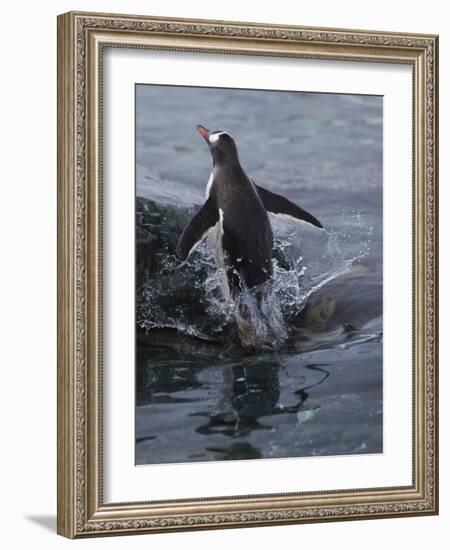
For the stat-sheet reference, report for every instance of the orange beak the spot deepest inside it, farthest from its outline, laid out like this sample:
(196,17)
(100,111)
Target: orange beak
(203,132)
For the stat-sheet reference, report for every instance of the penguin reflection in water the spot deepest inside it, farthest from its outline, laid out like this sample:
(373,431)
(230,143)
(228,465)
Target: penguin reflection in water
(235,219)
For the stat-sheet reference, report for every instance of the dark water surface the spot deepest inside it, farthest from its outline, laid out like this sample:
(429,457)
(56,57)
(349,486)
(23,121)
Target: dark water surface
(315,386)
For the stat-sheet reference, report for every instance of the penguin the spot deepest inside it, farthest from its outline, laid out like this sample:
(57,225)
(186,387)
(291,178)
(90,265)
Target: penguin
(235,219)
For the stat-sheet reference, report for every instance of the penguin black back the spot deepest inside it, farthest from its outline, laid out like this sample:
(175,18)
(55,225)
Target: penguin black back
(240,209)
(247,239)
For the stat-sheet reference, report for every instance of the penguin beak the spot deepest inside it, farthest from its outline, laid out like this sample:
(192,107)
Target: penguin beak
(204,132)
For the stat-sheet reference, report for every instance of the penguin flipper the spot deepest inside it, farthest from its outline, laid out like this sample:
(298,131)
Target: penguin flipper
(280,205)
(196,229)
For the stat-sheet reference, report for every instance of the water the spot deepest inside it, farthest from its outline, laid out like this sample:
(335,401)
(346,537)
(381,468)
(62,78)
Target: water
(314,386)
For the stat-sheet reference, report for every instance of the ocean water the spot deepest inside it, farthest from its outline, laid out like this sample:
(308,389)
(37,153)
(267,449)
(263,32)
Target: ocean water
(314,385)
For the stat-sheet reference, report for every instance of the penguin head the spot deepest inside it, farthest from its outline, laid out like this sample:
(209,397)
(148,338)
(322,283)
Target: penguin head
(221,145)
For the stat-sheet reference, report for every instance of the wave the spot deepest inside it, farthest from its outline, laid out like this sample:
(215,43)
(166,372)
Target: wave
(187,296)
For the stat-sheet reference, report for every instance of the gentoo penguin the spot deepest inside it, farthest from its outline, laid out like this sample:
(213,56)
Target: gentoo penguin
(235,218)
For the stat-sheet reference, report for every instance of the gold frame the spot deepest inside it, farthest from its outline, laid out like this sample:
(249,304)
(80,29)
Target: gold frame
(81,38)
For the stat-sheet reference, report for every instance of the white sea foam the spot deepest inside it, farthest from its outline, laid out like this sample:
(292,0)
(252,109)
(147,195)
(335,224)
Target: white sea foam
(190,298)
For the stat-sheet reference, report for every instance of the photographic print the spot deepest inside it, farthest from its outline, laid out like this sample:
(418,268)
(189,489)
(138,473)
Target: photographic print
(259,274)
(247,274)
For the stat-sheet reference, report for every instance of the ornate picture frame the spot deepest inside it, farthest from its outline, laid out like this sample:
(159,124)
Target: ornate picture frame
(82,40)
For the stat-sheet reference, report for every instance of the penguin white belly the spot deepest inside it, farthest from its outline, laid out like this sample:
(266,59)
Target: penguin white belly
(209,185)
(215,236)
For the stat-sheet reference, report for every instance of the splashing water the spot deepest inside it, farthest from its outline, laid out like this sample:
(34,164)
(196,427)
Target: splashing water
(188,297)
